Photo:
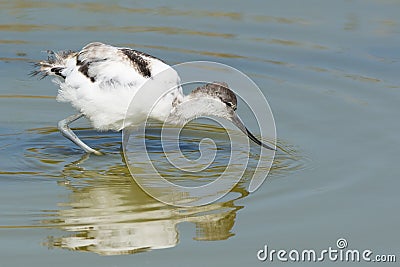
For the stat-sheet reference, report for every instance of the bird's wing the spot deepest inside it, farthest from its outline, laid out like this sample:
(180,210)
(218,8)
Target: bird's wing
(114,65)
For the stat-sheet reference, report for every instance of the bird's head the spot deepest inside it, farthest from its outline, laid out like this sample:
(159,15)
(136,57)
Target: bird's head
(212,99)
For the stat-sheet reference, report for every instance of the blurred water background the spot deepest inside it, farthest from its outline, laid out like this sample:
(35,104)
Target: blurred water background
(330,71)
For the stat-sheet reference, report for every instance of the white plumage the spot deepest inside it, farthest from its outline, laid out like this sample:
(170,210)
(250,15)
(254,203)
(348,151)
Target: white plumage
(101,80)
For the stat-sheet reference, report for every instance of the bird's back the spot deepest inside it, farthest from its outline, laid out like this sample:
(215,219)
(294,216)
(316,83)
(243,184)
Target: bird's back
(101,81)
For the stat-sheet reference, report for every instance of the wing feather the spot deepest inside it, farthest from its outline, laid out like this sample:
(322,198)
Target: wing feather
(108,64)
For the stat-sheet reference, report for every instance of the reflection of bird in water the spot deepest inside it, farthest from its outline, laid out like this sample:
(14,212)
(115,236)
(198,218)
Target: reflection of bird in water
(106,213)
(109,215)
(100,81)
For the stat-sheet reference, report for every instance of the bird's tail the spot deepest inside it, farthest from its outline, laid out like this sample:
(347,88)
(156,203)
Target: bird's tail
(54,65)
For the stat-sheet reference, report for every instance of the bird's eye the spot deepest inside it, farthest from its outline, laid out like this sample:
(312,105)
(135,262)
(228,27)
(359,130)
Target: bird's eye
(230,104)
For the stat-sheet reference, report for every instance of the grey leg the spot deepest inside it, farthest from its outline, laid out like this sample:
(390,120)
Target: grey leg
(63,126)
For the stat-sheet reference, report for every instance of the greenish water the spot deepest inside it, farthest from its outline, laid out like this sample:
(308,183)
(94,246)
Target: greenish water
(330,73)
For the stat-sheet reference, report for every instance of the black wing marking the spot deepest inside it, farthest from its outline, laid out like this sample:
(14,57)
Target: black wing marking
(138,61)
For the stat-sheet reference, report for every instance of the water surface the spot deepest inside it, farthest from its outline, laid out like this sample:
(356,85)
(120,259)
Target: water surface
(330,73)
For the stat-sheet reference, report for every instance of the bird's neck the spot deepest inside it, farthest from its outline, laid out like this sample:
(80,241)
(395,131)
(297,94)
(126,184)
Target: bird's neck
(190,108)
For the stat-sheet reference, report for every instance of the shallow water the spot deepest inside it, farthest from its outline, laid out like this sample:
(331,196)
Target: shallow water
(329,72)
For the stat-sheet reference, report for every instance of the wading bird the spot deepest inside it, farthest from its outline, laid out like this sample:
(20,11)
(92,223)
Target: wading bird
(101,80)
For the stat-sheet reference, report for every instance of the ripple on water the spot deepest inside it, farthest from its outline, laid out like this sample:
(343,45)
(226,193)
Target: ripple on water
(106,212)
